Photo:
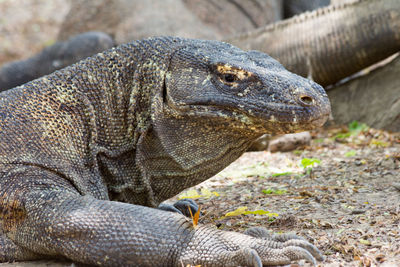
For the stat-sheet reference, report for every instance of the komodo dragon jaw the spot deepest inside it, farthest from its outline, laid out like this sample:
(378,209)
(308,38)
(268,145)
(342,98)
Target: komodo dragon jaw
(250,88)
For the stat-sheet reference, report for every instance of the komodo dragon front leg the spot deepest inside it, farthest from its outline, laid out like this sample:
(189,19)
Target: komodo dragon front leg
(51,218)
(88,152)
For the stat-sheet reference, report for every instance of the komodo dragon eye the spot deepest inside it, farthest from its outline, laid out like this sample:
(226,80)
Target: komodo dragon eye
(229,78)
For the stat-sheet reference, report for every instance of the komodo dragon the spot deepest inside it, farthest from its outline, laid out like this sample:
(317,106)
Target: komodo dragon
(138,124)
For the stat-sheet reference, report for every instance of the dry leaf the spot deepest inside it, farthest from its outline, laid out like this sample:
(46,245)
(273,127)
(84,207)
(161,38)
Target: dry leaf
(195,218)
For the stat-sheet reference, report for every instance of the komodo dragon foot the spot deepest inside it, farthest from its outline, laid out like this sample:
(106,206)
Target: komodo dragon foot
(211,247)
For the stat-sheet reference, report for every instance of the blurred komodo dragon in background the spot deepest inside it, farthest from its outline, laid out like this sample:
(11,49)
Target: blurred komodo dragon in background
(330,43)
(138,124)
(54,57)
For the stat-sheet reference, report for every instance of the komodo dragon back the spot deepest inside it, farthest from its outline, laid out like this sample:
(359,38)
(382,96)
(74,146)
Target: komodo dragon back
(87,152)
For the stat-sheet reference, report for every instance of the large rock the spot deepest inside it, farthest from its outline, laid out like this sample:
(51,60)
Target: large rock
(128,20)
(230,17)
(83,16)
(155,18)
(27,26)
(373,98)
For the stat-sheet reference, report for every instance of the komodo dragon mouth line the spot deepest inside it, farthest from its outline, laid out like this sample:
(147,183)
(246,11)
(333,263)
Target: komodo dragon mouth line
(256,120)
(273,110)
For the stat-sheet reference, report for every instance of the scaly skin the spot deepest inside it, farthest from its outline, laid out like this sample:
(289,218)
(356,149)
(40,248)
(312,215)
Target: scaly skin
(138,124)
(330,43)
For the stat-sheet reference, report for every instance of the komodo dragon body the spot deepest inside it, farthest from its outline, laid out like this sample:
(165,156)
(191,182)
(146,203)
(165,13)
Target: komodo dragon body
(138,124)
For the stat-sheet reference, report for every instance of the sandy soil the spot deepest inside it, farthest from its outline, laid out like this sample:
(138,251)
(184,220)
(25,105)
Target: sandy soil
(348,206)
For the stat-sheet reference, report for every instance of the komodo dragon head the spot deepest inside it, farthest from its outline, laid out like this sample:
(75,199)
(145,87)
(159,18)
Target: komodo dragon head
(251,90)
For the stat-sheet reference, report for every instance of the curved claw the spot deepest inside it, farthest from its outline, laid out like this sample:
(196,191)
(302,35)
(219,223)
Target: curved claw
(307,246)
(212,247)
(284,240)
(243,257)
(181,206)
(298,253)
(255,259)
(286,255)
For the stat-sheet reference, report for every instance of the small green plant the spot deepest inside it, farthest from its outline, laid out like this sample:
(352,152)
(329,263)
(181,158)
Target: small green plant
(350,153)
(281,174)
(342,135)
(308,163)
(243,211)
(354,127)
(272,191)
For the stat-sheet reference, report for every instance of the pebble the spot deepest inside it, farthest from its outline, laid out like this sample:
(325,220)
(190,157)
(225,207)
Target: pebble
(397,186)
(357,211)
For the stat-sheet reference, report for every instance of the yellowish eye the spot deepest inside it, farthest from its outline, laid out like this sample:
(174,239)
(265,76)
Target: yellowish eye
(232,76)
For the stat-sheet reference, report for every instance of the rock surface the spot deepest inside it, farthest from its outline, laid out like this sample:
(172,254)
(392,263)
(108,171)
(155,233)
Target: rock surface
(373,98)
(27,26)
(128,20)
(223,15)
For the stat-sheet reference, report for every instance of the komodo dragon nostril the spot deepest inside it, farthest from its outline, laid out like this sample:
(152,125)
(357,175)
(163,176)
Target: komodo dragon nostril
(306,100)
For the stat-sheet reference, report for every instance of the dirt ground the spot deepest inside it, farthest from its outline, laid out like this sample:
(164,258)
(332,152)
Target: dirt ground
(348,205)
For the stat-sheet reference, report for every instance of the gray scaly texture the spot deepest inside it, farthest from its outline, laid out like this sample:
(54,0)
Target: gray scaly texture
(138,124)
